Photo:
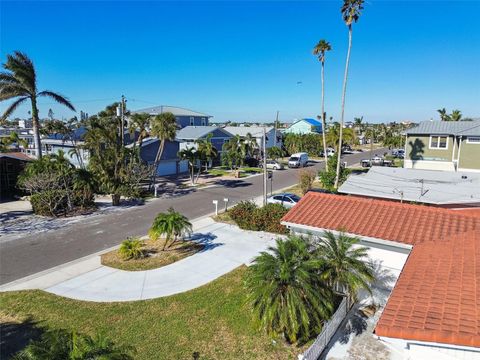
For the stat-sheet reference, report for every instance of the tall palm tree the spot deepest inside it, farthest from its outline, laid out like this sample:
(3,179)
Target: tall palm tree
(285,290)
(456,115)
(139,122)
(20,82)
(320,50)
(164,127)
(172,224)
(443,114)
(351,13)
(347,269)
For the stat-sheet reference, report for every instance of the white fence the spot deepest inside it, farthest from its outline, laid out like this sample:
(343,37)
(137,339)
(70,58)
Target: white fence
(329,328)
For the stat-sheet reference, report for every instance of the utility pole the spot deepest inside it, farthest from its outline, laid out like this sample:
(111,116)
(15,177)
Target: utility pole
(276,124)
(121,115)
(264,167)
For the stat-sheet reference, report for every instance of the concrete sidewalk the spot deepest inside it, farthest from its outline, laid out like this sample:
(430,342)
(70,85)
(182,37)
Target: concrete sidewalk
(226,247)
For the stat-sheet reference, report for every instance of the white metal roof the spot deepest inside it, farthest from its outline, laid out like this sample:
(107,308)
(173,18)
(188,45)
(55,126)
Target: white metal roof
(242,131)
(175,110)
(426,186)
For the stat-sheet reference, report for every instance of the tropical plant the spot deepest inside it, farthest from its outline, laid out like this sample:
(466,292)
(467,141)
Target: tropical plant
(333,136)
(139,122)
(172,224)
(19,82)
(164,127)
(65,345)
(117,168)
(309,143)
(285,291)
(347,269)
(56,186)
(131,248)
(350,10)
(274,152)
(456,115)
(207,151)
(234,153)
(320,50)
(6,142)
(443,114)
(192,155)
(327,178)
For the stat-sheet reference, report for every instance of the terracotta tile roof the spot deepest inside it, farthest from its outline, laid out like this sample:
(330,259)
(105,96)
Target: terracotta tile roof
(16,155)
(380,219)
(437,296)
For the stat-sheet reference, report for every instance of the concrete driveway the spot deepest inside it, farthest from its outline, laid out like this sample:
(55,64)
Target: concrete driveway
(226,248)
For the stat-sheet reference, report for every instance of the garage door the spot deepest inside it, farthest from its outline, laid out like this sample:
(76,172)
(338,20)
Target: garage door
(167,168)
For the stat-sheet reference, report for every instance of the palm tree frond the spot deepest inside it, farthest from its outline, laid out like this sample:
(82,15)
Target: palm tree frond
(58,98)
(12,107)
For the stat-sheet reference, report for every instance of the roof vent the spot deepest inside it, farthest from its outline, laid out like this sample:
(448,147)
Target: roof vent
(464,177)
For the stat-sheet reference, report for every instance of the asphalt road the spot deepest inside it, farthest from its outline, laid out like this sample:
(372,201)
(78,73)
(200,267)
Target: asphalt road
(27,255)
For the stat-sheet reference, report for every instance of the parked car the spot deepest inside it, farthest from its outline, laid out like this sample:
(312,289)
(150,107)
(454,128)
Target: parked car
(298,160)
(377,160)
(286,199)
(274,164)
(330,152)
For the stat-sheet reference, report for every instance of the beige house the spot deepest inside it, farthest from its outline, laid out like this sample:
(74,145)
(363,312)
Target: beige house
(443,145)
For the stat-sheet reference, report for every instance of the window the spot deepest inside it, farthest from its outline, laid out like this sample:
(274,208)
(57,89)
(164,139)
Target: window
(438,142)
(473,140)
(192,121)
(204,121)
(278,197)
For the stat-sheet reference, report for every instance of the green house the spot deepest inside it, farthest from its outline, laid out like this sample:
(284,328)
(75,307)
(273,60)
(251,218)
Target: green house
(444,145)
(305,126)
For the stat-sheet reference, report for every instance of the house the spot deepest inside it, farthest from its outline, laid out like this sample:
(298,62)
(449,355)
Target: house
(273,136)
(190,134)
(185,117)
(450,189)
(11,165)
(24,134)
(169,163)
(305,126)
(443,145)
(57,142)
(433,311)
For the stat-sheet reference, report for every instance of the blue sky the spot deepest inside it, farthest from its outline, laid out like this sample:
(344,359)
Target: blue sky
(241,61)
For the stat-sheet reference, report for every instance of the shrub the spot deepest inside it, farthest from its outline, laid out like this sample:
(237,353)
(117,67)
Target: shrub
(327,178)
(306,177)
(131,248)
(249,216)
(242,213)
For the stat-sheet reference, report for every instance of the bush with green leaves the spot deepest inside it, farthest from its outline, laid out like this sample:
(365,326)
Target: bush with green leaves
(131,248)
(306,179)
(56,186)
(68,345)
(170,224)
(327,178)
(309,143)
(248,216)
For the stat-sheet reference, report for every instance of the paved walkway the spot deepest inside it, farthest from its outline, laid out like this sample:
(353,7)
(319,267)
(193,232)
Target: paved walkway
(227,247)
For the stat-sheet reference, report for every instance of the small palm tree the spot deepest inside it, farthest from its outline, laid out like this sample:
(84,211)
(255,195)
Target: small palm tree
(172,224)
(285,291)
(192,155)
(443,114)
(206,149)
(20,82)
(351,13)
(320,50)
(139,122)
(61,344)
(131,248)
(164,127)
(347,269)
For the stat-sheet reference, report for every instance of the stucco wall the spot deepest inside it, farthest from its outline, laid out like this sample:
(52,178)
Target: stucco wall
(418,149)
(469,156)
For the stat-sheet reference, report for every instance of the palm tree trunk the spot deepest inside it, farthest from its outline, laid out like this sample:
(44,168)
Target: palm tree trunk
(157,160)
(36,128)
(324,127)
(340,137)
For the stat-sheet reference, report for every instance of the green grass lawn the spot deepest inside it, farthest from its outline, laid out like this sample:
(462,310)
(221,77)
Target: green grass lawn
(212,320)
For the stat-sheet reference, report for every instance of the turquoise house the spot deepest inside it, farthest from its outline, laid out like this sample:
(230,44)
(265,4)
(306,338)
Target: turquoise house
(305,126)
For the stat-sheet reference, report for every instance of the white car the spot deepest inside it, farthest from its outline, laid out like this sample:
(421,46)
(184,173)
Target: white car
(275,165)
(330,152)
(286,199)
